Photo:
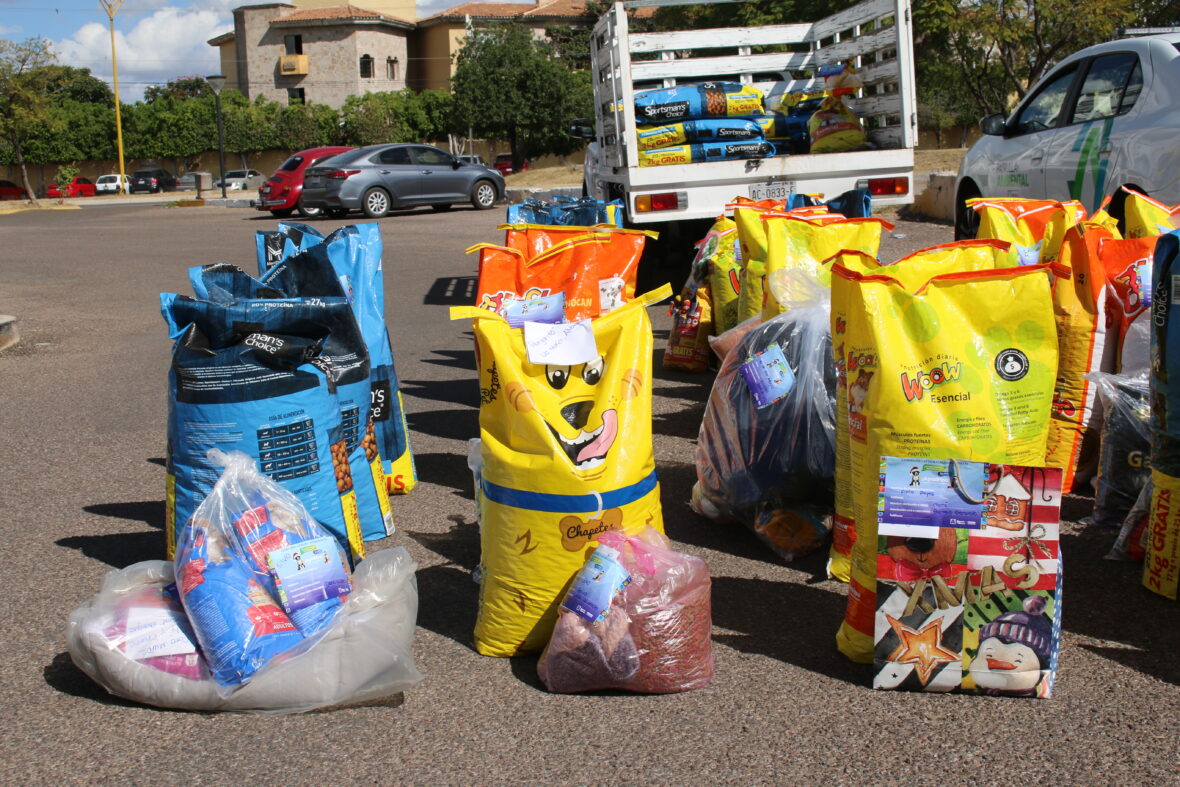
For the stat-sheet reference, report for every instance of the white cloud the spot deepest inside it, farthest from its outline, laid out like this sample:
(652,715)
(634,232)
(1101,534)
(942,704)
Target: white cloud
(167,43)
(8,30)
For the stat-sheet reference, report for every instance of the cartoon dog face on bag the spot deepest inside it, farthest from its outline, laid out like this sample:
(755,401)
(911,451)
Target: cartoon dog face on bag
(580,408)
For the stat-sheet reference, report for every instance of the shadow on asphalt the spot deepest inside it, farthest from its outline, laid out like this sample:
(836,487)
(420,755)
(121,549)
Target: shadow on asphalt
(685,423)
(457,359)
(1105,600)
(448,424)
(61,675)
(461,392)
(118,549)
(446,470)
(150,512)
(451,291)
(453,601)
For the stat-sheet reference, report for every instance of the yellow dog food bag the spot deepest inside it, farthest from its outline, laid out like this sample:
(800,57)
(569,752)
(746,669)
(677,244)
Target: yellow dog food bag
(567,455)
(912,271)
(721,252)
(795,241)
(961,365)
(1146,217)
(1035,228)
(747,215)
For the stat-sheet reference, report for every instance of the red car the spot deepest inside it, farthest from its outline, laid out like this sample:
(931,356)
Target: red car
(9,190)
(78,187)
(503,163)
(281,192)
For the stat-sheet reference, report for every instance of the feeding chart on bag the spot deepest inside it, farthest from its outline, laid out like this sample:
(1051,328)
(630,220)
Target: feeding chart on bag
(288,451)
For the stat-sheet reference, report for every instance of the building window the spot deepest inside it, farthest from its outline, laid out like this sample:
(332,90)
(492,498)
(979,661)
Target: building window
(391,68)
(366,66)
(295,95)
(293,44)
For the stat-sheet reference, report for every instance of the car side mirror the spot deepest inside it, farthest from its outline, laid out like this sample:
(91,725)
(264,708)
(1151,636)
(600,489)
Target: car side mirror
(994,125)
(456,163)
(581,128)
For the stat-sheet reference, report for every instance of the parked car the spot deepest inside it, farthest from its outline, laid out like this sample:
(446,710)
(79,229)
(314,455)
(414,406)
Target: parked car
(78,187)
(478,160)
(241,180)
(380,178)
(1105,117)
(503,164)
(281,192)
(112,184)
(9,190)
(152,181)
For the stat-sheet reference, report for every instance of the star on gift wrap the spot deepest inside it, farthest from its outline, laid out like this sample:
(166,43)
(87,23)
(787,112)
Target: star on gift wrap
(922,648)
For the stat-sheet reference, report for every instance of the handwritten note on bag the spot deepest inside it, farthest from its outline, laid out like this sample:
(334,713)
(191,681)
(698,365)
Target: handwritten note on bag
(564,344)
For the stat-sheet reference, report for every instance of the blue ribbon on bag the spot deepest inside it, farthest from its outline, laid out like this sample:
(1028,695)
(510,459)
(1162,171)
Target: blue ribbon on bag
(568,504)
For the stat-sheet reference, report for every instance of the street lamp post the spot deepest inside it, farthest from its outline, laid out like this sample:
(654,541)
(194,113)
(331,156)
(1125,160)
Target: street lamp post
(216,83)
(112,7)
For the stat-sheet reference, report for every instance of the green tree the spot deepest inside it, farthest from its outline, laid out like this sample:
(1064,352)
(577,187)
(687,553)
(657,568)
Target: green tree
(395,116)
(509,86)
(1000,48)
(177,89)
(65,176)
(24,99)
(82,119)
(302,126)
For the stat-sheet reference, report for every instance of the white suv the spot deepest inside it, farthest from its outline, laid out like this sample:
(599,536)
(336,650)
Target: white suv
(112,184)
(1105,117)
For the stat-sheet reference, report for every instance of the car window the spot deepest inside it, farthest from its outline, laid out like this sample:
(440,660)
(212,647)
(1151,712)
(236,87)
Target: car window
(1133,89)
(394,156)
(237,173)
(1103,90)
(1044,109)
(85,181)
(435,156)
(291,164)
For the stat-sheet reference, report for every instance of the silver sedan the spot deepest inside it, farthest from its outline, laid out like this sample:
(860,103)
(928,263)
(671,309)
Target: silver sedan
(380,178)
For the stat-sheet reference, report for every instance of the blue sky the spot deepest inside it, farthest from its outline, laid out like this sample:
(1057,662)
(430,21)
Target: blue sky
(156,40)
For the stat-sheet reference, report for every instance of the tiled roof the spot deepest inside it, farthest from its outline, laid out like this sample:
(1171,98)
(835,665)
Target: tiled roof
(552,8)
(341,12)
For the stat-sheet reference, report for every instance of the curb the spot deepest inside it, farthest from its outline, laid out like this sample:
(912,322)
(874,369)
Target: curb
(9,336)
(227,203)
(24,208)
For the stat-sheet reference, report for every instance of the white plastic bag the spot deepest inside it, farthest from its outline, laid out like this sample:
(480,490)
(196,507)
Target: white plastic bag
(365,655)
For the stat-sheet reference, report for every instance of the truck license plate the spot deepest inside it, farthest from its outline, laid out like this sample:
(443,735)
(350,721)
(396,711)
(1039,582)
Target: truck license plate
(778,189)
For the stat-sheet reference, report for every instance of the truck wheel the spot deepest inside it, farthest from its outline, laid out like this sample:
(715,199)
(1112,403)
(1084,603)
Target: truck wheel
(375,202)
(483,194)
(966,219)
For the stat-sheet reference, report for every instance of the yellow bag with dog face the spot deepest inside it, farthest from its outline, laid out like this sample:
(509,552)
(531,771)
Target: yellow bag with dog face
(567,455)
(960,366)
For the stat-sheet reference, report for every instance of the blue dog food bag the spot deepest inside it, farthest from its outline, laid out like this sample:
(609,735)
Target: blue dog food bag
(355,253)
(276,245)
(692,131)
(253,377)
(313,279)
(691,102)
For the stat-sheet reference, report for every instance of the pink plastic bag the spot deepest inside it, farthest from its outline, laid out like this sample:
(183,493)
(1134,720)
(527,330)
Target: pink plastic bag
(653,637)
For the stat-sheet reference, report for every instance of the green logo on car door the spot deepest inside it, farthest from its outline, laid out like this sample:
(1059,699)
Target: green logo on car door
(1091,141)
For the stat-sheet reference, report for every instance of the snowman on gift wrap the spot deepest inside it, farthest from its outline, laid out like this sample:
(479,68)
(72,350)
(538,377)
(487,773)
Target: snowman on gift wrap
(1014,651)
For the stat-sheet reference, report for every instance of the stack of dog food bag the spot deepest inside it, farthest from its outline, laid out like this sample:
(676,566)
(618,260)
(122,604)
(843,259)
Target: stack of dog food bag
(723,121)
(284,426)
(566,474)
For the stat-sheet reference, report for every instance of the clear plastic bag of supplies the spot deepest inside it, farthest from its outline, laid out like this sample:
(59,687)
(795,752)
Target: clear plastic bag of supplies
(637,617)
(134,640)
(1124,456)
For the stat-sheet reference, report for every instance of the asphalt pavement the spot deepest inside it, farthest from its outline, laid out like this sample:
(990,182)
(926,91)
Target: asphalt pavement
(82,428)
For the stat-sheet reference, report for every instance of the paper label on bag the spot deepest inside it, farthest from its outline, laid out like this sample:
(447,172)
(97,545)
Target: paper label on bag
(308,572)
(610,293)
(918,496)
(153,632)
(596,585)
(547,308)
(768,376)
(565,344)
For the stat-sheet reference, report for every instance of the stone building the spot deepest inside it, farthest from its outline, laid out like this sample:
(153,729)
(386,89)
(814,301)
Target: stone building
(322,53)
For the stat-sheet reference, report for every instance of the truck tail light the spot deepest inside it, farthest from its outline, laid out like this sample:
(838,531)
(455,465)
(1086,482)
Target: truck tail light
(671,200)
(885,187)
(342,174)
